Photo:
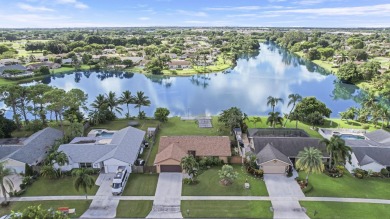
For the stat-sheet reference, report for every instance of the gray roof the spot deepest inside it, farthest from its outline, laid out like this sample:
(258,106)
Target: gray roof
(380,155)
(124,146)
(269,153)
(380,136)
(37,145)
(12,67)
(85,153)
(289,146)
(276,132)
(5,151)
(362,143)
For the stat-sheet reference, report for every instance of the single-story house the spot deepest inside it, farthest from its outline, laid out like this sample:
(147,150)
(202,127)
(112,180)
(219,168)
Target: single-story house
(135,60)
(42,59)
(371,153)
(12,67)
(171,55)
(276,150)
(143,63)
(104,153)
(66,61)
(109,51)
(50,65)
(31,151)
(173,148)
(9,61)
(181,64)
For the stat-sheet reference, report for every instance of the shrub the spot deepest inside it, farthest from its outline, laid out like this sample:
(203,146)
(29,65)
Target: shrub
(23,186)
(365,126)
(27,180)
(5,203)
(360,173)
(385,172)
(34,125)
(307,189)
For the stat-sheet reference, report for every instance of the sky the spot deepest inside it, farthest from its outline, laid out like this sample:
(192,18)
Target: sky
(141,13)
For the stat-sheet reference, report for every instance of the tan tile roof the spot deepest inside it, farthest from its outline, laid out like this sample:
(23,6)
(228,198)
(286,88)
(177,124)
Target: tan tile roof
(176,147)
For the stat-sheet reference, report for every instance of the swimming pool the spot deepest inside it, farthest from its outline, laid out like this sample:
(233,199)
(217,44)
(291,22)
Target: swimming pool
(105,134)
(351,137)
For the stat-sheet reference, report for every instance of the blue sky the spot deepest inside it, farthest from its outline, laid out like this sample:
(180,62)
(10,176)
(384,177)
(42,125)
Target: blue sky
(267,13)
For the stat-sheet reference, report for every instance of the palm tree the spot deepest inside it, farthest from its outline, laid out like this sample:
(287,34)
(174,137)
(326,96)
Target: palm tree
(61,158)
(274,118)
(127,99)
(113,102)
(141,100)
(100,102)
(84,179)
(255,120)
(273,101)
(294,99)
(310,161)
(338,151)
(189,164)
(48,171)
(4,172)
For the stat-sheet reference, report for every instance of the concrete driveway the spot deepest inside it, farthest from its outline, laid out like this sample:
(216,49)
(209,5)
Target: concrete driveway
(168,196)
(104,203)
(284,193)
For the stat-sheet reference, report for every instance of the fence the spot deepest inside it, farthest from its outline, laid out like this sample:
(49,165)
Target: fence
(143,169)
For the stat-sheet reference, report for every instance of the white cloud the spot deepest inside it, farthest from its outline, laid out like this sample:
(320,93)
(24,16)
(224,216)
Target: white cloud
(383,9)
(144,18)
(195,22)
(74,3)
(31,8)
(309,2)
(240,8)
(273,1)
(192,13)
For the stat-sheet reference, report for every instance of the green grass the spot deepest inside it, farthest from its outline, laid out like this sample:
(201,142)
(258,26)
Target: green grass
(123,123)
(141,185)
(348,187)
(68,69)
(56,187)
(324,64)
(209,185)
(80,205)
(339,210)
(133,209)
(226,209)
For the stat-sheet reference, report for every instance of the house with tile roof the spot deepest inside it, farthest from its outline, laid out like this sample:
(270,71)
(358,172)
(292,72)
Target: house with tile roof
(173,148)
(371,153)
(106,154)
(31,151)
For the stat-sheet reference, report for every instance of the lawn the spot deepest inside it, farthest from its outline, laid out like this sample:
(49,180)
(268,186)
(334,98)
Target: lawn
(133,209)
(54,187)
(141,185)
(209,185)
(338,210)
(123,123)
(348,187)
(80,205)
(226,209)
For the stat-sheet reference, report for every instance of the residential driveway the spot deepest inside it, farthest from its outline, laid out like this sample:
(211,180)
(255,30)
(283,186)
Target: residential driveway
(284,193)
(16,181)
(104,203)
(168,195)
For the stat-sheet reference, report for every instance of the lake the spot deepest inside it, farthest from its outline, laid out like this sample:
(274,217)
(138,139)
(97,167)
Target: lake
(271,71)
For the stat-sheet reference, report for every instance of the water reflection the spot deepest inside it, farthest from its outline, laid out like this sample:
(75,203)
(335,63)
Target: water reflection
(271,71)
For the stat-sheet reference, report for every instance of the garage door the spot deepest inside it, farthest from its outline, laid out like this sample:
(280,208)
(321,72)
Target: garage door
(274,169)
(170,168)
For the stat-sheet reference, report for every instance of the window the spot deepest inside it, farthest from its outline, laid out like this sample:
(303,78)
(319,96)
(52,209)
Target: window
(85,165)
(193,153)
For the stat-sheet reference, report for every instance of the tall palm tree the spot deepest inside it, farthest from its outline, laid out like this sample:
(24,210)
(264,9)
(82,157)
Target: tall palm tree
(310,161)
(127,99)
(4,172)
(293,99)
(113,102)
(83,179)
(141,100)
(273,101)
(255,120)
(274,119)
(189,164)
(100,102)
(338,151)
(48,171)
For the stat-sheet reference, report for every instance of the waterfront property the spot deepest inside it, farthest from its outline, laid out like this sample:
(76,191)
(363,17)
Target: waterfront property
(371,153)
(277,149)
(172,149)
(104,153)
(30,151)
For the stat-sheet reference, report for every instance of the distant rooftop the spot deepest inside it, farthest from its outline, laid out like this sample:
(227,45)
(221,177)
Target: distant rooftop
(277,132)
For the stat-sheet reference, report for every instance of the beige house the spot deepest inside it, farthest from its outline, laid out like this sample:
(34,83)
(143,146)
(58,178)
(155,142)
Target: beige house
(172,149)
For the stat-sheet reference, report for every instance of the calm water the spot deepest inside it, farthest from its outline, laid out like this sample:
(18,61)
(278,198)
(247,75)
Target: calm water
(272,71)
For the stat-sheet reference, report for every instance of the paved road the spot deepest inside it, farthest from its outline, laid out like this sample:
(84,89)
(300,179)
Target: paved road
(104,204)
(284,193)
(168,196)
